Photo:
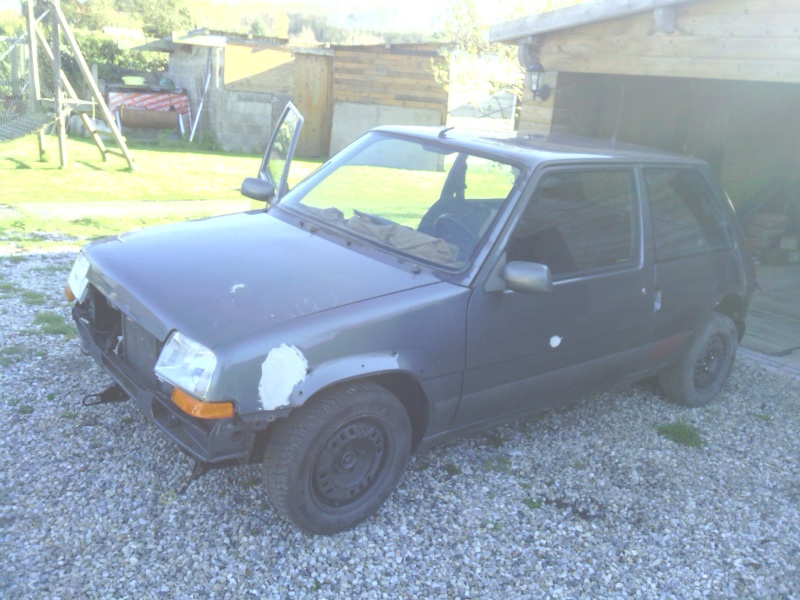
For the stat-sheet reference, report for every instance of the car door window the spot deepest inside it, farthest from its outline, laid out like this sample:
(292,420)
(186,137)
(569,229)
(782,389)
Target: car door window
(578,221)
(685,221)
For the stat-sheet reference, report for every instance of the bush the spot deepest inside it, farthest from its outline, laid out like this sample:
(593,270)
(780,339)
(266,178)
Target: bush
(112,61)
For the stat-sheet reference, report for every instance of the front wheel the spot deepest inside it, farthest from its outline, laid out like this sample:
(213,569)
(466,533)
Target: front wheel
(334,461)
(700,373)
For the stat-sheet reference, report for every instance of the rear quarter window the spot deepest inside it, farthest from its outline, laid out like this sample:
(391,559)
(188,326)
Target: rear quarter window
(686,217)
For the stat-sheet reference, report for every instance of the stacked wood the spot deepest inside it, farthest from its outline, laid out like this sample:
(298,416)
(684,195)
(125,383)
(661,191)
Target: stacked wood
(765,230)
(402,75)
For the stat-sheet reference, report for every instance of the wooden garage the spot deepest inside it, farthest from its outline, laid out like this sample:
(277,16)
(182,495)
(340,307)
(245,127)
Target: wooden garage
(719,79)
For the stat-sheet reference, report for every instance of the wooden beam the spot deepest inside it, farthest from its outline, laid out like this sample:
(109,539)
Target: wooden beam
(393,84)
(107,116)
(572,16)
(61,129)
(741,70)
(36,89)
(74,96)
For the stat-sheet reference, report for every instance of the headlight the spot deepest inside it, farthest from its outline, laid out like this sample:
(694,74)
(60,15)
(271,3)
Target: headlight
(187,364)
(77,282)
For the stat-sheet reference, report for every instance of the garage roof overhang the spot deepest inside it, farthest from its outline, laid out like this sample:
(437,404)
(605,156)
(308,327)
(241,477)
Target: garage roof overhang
(526,29)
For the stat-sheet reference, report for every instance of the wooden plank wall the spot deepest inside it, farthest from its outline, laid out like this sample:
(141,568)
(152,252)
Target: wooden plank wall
(313,91)
(391,76)
(737,40)
(742,40)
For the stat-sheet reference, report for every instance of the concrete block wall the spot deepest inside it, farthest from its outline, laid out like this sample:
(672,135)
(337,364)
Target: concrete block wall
(352,119)
(240,121)
(187,67)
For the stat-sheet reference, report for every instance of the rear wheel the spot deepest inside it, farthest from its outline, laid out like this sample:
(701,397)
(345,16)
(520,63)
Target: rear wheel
(700,373)
(334,461)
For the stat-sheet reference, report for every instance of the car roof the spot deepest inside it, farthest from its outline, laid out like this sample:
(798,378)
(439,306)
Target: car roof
(535,149)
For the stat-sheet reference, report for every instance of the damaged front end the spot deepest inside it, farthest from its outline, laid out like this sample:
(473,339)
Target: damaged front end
(146,369)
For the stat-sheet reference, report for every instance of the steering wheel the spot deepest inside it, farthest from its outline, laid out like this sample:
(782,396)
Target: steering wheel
(451,230)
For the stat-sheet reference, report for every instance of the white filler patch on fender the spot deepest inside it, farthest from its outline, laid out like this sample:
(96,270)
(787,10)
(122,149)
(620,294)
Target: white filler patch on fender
(284,367)
(555,341)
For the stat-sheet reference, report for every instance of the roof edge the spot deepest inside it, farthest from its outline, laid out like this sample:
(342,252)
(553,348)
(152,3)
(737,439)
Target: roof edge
(585,13)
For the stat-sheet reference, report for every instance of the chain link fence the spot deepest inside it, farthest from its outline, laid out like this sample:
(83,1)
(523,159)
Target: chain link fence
(21,113)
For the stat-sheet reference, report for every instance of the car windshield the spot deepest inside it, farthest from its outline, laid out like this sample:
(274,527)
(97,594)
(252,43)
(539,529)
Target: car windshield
(419,199)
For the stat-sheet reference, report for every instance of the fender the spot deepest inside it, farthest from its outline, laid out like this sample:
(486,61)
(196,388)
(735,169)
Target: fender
(440,391)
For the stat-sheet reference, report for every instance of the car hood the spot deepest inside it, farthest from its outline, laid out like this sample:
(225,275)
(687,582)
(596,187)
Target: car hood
(225,277)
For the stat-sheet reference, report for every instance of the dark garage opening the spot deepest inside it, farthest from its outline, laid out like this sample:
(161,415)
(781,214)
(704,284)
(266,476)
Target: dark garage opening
(749,132)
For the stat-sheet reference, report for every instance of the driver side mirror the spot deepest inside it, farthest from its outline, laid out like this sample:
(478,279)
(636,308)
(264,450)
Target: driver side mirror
(258,189)
(527,277)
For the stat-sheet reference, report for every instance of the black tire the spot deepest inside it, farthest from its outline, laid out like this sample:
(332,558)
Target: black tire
(701,371)
(334,461)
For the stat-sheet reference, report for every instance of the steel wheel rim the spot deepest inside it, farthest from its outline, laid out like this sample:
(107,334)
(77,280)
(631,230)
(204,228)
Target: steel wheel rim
(349,463)
(708,367)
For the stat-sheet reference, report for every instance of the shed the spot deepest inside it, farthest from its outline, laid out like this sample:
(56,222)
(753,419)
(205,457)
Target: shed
(342,91)
(386,85)
(719,79)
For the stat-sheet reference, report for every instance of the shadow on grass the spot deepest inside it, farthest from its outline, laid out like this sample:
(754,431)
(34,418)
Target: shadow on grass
(19,164)
(88,164)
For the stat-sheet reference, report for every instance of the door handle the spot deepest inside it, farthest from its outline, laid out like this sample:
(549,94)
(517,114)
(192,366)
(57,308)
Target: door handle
(657,301)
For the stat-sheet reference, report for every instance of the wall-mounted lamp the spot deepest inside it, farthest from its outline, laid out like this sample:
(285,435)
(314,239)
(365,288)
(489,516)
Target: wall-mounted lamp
(538,87)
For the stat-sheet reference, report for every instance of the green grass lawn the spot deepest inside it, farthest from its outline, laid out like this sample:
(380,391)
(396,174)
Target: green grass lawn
(44,206)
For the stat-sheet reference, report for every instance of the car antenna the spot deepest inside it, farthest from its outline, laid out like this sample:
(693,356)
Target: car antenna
(443,132)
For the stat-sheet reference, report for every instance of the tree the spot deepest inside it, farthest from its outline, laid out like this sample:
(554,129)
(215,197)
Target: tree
(161,17)
(474,63)
(93,15)
(270,23)
(494,65)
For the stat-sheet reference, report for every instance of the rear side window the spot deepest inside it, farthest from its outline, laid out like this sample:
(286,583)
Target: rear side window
(578,221)
(686,218)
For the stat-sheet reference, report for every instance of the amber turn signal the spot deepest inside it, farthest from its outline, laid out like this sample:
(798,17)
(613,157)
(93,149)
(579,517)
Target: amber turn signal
(68,293)
(198,408)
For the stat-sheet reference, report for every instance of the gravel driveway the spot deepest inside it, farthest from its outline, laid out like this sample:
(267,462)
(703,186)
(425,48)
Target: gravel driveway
(589,501)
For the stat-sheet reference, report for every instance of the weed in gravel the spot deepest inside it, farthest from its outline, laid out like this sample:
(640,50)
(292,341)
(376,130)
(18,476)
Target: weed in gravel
(87,222)
(52,323)
(452,469)
(13,401)
(25,409)
(763,417)
(11,354)
(7,289)
(15,259)
(68,414)
(500,464)
(494,439)
(527,425)
(53,269)
(532,504)
(33,298)
(682,433)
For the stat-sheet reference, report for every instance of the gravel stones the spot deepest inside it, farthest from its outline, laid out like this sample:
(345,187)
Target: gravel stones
(588,501)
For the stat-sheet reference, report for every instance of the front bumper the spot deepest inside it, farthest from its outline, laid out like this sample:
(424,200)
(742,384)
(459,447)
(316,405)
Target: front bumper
(128,354)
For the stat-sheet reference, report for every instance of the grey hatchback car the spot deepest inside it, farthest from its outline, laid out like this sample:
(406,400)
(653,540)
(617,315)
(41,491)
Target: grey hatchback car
(424,283)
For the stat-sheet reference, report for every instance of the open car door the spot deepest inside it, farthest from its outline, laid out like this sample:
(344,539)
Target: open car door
(272,180)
